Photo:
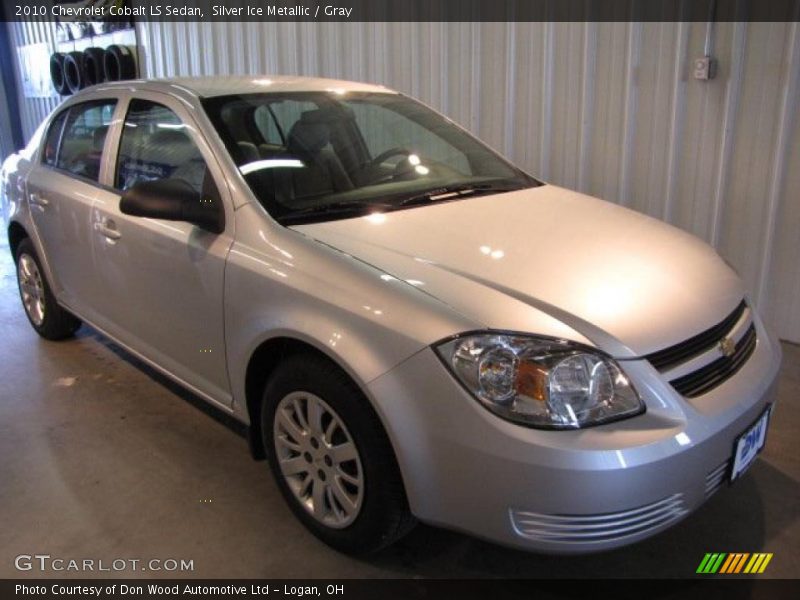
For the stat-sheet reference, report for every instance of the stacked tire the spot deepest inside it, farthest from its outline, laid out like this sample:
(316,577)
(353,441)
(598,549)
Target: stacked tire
(70,72)
(119,63)
(74,73)
(93,65)
(57,73)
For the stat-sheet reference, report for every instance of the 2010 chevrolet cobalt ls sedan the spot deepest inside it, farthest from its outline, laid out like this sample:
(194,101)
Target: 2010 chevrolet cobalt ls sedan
(412,327)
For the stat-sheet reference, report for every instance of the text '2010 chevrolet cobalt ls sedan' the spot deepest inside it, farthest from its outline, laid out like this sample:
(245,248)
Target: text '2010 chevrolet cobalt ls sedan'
(412,327)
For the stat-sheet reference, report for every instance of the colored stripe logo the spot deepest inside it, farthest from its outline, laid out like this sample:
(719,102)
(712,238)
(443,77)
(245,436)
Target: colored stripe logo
(734,562)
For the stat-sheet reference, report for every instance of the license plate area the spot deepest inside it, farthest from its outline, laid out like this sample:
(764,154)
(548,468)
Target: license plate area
(749,444)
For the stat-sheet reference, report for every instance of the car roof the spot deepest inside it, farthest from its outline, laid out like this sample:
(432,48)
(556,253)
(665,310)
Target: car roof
(242,84)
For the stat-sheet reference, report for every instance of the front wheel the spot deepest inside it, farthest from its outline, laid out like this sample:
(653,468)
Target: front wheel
(331,457)
(45,315)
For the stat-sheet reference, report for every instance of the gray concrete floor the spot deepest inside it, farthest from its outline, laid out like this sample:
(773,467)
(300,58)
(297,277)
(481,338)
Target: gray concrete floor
(100,457)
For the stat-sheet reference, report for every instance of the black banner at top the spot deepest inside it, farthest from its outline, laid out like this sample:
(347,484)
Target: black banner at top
(401,10)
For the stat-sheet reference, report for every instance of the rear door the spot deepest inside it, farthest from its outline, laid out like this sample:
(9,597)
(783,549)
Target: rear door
(61,191)
(162,281)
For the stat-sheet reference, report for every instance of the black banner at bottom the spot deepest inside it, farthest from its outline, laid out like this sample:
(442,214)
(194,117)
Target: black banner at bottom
(390,589)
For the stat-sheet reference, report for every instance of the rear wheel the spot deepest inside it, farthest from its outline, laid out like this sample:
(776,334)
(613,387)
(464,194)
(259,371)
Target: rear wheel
(331,457)
(45,315)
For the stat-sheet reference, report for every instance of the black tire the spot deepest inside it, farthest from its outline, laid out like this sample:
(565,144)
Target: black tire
(119,63)
(93,66)
(384,516)
(57,73)
(57,323)
(74,74)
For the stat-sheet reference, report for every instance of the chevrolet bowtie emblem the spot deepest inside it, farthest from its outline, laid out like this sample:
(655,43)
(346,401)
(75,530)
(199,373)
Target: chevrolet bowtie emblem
(727,346)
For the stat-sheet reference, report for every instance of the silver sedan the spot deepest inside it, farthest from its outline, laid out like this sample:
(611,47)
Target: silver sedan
(411,326)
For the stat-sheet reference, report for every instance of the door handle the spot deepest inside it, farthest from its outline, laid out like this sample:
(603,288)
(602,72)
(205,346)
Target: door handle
(38,200)
(107,229)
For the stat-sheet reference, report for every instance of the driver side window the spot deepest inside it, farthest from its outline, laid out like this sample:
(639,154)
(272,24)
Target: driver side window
(155,144)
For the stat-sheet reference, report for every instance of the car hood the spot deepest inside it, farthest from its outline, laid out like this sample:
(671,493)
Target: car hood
(542,258)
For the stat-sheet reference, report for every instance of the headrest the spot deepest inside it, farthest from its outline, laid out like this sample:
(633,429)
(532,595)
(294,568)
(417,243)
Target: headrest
(99,137)
(248,152)
(318,115)
(309,134)
(234,117)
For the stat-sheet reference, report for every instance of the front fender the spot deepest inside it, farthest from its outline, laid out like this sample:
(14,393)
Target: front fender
(278,283)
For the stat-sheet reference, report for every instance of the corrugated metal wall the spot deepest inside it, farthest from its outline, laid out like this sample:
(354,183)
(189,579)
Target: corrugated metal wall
(610,109)
(6,139)
(32,110)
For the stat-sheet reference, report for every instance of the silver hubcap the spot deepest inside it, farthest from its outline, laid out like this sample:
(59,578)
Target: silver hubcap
(31,288)
(318,459)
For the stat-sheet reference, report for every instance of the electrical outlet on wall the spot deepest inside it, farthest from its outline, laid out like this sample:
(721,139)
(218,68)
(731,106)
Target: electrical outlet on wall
(704,67)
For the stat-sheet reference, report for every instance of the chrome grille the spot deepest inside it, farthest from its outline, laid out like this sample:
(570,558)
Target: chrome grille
(716,478)
(698,365)
(666,359)
(587,529)
(714,373)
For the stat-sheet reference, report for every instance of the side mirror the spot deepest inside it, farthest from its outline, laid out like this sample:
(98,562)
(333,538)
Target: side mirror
(174,200)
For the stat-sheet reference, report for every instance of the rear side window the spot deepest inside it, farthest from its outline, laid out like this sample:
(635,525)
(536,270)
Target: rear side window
(81,148)
(54,139)
(155,144)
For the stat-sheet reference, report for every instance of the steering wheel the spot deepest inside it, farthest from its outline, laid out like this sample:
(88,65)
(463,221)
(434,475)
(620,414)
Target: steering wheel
(381,158)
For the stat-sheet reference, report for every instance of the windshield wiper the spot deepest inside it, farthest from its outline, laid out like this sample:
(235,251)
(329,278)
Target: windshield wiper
(440,194)
(333,208)
(454,192)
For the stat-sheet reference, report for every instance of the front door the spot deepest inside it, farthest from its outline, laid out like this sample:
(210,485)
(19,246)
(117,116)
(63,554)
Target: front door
(163,280)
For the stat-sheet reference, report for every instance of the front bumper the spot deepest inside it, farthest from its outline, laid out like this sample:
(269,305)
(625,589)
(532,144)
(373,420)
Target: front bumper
(566,491)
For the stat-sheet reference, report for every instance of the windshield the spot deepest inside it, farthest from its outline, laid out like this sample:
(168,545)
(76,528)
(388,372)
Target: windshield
(319,156)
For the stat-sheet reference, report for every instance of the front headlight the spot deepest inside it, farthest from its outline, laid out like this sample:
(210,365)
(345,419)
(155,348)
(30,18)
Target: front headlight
(550,384)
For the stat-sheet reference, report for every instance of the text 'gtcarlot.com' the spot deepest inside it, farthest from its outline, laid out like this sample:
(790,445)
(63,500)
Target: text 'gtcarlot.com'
(45,562)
